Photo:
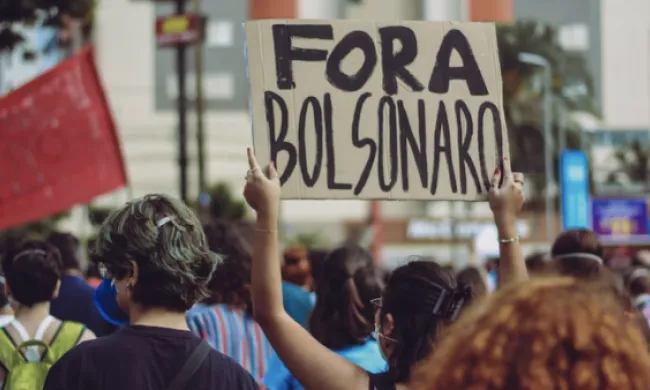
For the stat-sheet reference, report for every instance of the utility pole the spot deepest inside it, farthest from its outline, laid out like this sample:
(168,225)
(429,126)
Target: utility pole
(199,107)
(182,109)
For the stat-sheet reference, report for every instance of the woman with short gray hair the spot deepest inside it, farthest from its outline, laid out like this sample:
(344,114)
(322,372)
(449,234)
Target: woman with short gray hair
(156,265)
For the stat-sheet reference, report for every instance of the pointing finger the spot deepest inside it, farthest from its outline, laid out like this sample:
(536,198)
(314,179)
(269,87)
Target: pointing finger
(507,169)
(252,162)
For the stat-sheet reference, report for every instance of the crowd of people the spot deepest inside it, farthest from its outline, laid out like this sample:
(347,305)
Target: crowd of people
(175,304)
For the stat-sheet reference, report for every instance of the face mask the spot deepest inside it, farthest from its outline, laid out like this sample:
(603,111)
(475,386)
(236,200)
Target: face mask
(106,303)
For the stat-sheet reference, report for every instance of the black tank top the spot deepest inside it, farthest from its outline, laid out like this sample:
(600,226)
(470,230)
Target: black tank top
(381,382)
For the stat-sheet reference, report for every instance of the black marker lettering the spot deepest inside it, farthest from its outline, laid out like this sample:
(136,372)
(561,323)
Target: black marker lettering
(498,137)
(354,40)
(329,144)
(408,138)
(394,64)
(277,141)
(308,179)
(443,72)
(359,142)
(392,144)
(442,131)
(285,53)
(464,143)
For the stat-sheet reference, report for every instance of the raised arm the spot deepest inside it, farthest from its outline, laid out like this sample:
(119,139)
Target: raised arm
(315,366)
(506,202)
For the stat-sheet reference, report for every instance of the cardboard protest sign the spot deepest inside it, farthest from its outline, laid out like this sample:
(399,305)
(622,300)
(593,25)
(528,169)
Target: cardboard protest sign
(377,110)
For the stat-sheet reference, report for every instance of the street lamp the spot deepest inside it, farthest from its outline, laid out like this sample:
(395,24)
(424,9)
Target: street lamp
(537,60)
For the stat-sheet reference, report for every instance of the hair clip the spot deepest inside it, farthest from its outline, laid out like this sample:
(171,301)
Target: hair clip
(450,302)
(164,220)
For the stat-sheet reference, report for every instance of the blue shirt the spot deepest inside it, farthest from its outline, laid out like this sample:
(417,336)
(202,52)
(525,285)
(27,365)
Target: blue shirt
(367,356)
(76,303)
(297,302)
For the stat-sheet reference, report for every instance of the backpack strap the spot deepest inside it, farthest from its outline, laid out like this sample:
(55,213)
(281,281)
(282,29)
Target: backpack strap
(8,351)
(191,366)
(66,338)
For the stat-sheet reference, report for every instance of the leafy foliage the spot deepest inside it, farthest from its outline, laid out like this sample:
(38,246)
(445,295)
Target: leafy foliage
(308,240)
(224,205)
(633,164)
(36,229)
(97,214)
(56,13)
(572,90)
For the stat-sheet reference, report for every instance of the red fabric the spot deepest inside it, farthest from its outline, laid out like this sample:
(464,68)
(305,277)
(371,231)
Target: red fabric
(58,143)
(94,282)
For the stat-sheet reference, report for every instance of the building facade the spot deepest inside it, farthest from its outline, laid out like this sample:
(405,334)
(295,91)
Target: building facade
(614,36)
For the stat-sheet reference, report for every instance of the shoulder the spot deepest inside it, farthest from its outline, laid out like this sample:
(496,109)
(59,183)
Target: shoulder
(232,374)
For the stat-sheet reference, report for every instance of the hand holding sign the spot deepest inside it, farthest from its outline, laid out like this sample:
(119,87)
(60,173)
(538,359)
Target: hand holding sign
(506,199)
(262,191)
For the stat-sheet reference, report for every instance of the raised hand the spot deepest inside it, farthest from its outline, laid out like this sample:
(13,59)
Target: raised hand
(262,191)
(506,200)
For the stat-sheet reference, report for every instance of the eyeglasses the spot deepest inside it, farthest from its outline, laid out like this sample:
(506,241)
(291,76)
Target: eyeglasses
(376,303)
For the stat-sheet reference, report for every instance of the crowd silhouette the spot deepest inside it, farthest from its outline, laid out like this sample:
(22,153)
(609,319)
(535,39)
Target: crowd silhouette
(163,302)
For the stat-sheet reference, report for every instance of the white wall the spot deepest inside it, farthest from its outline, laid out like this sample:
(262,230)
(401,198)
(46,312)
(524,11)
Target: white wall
(626,63)
(125,60)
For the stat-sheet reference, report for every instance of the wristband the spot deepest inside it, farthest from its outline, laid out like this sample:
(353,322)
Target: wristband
(509,240)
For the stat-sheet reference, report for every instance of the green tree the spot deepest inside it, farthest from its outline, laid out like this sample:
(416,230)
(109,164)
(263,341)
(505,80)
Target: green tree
(572,90)
(308,240)
(224,205)
(97,214)
(634,165)
(56,13)
(37,229)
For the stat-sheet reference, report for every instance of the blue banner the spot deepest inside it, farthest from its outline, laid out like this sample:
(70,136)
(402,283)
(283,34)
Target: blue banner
(574,189)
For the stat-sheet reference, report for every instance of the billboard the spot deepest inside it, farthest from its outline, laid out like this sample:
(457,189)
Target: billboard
(620,220)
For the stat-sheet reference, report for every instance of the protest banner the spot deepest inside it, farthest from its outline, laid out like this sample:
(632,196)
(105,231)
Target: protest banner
(377,110)
(58,143)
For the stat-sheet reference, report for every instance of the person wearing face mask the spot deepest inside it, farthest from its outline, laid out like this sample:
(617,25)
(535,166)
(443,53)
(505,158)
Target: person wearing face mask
(343,318)
(418,303)
(156,265)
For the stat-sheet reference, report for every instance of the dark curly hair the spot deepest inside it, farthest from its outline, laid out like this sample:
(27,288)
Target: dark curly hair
(229,283)
(549,333)
(32,272)
(174,262)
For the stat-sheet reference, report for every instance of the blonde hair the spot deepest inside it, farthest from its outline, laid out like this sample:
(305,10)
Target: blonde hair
(551,333)
(166,240)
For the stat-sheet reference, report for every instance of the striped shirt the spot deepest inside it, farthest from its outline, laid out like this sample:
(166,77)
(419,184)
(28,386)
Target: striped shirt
(234,333)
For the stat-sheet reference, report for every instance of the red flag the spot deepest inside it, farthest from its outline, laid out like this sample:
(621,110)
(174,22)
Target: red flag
(58,143)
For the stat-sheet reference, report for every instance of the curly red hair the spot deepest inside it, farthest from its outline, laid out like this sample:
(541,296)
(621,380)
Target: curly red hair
(551,333)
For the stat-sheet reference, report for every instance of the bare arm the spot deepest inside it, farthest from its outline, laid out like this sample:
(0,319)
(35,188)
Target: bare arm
(512,267)
(505,202)
(315,366)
